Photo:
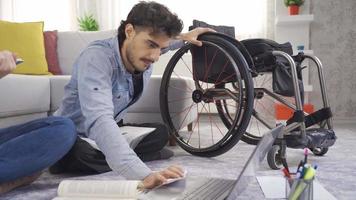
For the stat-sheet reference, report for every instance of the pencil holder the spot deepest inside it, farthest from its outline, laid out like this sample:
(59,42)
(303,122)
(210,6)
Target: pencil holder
(301,190)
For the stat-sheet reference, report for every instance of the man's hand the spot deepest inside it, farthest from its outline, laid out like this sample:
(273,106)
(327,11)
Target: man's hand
(158,178)
(7,62)
(192,35)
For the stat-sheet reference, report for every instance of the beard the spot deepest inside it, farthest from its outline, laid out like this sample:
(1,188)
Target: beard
(131,60)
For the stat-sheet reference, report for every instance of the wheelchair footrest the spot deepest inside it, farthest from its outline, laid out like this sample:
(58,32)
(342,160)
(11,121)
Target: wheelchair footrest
(315,138)
(313,118)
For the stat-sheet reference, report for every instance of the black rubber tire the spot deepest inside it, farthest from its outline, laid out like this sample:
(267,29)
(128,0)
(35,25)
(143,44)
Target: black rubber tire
(238,126)
(319,151)
(274,159)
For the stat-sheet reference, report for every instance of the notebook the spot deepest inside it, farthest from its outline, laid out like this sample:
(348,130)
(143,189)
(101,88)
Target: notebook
(216,188)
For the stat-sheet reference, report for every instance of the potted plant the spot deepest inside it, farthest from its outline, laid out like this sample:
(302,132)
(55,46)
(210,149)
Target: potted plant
(88,23)
(293,6)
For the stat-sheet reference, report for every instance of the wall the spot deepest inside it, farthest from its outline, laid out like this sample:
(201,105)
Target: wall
(333,39)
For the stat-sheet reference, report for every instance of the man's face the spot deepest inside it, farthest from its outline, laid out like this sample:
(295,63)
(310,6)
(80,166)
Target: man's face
(141,48)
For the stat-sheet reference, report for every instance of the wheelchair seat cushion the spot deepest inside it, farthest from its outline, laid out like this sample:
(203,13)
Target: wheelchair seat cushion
(226,33)
(227,30)
(261,52)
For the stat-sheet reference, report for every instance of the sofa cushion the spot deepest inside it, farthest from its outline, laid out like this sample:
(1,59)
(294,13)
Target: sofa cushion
(71,43)
(24,94)
(20,119)
(50,41)
(26,40)
(57,90)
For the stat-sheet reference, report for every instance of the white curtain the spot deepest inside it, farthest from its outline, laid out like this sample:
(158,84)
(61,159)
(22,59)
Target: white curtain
(248,17)
(105,11)
(56,14)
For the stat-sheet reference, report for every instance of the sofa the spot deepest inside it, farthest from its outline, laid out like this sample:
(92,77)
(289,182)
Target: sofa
(27,97)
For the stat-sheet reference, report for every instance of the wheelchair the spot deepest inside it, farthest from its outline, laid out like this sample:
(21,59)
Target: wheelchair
(225,93)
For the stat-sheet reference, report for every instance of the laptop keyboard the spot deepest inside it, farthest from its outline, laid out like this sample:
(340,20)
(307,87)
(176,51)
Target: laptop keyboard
(211,189)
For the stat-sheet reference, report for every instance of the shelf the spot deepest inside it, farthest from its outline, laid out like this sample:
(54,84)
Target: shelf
(293,20)
(308,88)
(307,52)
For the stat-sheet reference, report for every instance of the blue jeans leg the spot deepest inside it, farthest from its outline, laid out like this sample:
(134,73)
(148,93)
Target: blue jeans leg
(31,147)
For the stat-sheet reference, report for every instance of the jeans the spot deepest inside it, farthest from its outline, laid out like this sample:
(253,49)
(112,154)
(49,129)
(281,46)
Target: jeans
(31,147)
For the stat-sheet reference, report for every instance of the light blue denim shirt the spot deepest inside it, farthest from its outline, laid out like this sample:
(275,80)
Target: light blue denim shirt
(100,89)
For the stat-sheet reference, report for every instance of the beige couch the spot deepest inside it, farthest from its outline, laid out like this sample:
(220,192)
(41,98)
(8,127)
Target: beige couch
(27,97)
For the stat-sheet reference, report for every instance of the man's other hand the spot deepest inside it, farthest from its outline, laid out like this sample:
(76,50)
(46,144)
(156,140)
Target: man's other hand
(192,35)
(7,63)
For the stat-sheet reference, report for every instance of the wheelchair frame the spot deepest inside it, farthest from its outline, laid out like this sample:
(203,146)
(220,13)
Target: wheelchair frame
(272,157)
(241,61)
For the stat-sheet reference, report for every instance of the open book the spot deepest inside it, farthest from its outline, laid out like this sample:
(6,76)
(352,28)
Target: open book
(132,134)
(103,189)
(97,189)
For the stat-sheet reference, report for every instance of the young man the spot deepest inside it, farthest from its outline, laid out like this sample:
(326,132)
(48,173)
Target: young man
(107,78)
(27,149)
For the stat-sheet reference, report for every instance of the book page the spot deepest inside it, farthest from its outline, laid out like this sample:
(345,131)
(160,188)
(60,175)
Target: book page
(122,189)
(132,134)
(89,198)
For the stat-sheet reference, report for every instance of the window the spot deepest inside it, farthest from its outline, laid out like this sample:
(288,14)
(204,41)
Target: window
(248,17)
(56,14)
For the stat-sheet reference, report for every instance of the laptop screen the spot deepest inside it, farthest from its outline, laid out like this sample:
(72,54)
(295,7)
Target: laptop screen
(248,173)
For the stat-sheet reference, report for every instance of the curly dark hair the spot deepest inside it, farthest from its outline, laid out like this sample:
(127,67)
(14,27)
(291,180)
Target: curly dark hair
(151,15)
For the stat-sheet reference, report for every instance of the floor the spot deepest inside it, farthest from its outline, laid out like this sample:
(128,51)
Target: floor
(336,170)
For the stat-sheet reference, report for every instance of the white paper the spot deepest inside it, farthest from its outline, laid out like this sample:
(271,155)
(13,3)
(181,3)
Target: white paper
(273,187)
(172,180)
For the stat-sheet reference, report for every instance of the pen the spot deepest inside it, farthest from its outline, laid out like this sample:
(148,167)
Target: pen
(285,165)
(300,165)
(286,173)
(305,155)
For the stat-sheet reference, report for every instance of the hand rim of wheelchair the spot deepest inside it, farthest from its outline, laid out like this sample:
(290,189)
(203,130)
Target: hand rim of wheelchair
(241,120)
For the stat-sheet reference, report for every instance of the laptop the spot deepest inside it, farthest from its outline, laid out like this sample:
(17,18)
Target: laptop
(216,188)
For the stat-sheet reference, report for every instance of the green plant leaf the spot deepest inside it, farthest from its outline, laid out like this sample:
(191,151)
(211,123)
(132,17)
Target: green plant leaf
(293,2)
(88,23)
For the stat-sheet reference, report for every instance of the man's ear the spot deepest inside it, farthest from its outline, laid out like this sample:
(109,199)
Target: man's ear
(129,30)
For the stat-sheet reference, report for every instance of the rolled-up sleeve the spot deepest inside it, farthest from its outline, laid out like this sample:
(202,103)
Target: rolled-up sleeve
(173,45)
(95,96)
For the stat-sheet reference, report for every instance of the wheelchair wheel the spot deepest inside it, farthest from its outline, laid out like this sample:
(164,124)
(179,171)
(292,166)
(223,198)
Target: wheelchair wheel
(319,151)
(263,114)
(197,85)
(274,158)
